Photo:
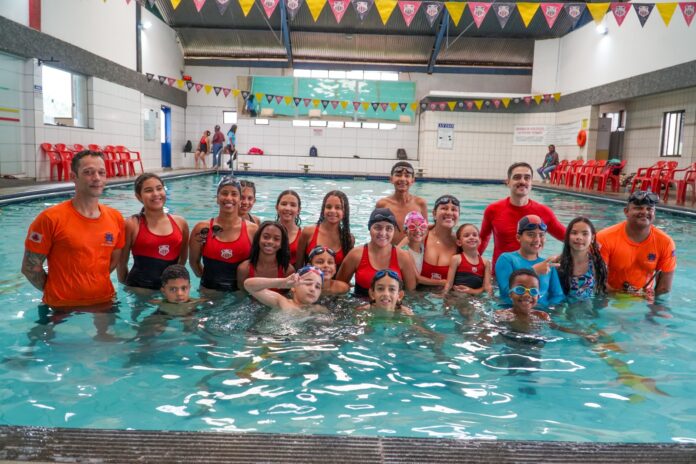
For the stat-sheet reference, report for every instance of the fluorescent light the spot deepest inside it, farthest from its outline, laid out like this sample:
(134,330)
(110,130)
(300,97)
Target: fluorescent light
(602,29)
(146,25)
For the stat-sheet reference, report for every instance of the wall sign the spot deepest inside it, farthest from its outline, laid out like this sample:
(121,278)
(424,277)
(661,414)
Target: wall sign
(445,136)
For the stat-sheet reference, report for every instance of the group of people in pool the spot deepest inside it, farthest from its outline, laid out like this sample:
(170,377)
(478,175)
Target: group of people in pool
(84,241)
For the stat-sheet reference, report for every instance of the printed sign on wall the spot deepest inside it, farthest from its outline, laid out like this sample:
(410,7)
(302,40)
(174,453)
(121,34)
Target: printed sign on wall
(445,136)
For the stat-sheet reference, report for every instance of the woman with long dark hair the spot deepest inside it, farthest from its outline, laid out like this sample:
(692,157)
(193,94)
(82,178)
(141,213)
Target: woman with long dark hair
(582,271)
(270,254)
(288,207)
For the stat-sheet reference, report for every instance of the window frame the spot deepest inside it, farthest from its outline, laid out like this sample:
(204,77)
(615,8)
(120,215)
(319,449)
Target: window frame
(672,136)
(83,97)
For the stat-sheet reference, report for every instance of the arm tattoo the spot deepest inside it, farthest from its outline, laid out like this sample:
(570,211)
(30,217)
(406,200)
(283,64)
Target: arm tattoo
(32,268)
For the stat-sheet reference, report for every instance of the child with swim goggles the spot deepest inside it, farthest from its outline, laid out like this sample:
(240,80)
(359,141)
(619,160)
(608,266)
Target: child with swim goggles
(386,293)
(306,285)
(324,258)
(469,272)
(416,227)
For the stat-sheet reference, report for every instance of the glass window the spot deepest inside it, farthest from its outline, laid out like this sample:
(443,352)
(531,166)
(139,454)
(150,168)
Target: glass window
(300,123)
(672,131)
(315,123)
(372,75)
(354,75)
(229,117)
(64,98)
(336,124)
(353,125)
(370,125)
(386,126)
(301,73)
(320,73)
(337,74)
(390,76)
(261,122)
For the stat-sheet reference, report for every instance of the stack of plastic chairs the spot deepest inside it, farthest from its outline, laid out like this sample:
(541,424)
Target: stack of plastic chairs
(645,175)
(568,176)
(56,162)
(556,173)
(128,158)
(683,184)
(610,173)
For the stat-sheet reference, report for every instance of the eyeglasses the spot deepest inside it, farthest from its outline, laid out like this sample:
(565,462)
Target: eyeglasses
(520,290)
(216,230)
(644,197)
(401,170)
(317,250)
(444,199)
(531,226)
(412,226)
(308,269)
(389,272)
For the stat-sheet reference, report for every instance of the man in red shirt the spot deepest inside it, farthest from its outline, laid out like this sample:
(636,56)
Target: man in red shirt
(501,218)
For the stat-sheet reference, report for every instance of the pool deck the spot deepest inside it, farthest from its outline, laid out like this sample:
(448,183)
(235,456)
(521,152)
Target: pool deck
(38,444)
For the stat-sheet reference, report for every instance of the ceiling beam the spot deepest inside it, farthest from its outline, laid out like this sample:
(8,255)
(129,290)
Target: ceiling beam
(284,27)
(438,41)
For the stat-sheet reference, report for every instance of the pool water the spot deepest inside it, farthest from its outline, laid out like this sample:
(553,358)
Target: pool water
(450,372)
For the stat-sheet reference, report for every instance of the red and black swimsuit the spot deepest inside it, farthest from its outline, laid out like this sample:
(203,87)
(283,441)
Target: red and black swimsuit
(281,274)
(313,243)
(293,247)
(152,254)
(469,274)
(430,271)
(220,260)
(366,272)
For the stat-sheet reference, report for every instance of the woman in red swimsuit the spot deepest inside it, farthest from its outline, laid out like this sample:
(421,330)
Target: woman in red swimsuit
(440,243)
(288,207)
(379,253)
(332,229)
(223,242)
(270,254)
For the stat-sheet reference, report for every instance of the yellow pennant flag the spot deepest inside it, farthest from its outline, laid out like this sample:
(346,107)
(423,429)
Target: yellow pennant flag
(315,102)
(451,105)
(315,7)
(246,6)
(365,105)
(557,96)
(506,102)
(393,106)
(344,104)
(235,92)
(208,88)
(456,9)
(537,99)
(527,11)
(666,11)
(175,3)
(180,83)
(259,96)
(385,9)
(479,103)
(598,10)
(287,100)
(414,107)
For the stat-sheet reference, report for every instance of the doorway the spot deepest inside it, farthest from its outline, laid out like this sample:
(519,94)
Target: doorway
(166,136)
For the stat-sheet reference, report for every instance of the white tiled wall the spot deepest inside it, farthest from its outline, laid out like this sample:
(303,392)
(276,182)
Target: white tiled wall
(12,106)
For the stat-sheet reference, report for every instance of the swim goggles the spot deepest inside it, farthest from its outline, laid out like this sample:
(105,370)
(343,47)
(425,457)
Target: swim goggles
(401,170)
(317,250)
(644,197)
(445,199)
(520,290)
(216,230)
(307,269)
(388,272)
(531,226)
(413,226)
(229,180)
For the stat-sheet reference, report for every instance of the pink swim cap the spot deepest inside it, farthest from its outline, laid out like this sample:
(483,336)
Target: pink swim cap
(414,216)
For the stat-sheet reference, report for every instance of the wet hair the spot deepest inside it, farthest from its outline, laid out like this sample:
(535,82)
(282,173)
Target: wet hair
(459,229)
(382,274)
(298,221)
(565,270)
(138,184)
(344,227)
(520,164)
(248,184)
(443,200)
(175,271)
(283,253)
(75,163)
(520,272)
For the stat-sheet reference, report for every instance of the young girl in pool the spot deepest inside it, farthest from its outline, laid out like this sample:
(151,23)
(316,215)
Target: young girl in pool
(288,207)
(325,259)
(440,244)
(386,293)
(156,239)
(270,254)
(469,272)
(332,229)
(247,202)
(582,271)
(306,286)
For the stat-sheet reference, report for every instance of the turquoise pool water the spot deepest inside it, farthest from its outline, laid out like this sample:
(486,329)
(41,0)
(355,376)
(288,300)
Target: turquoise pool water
(233,366)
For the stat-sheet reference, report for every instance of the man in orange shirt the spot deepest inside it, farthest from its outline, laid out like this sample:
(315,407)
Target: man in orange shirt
(80,238)
(639,256)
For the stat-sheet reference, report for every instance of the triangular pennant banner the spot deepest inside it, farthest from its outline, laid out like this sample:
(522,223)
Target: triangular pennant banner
(344,104)
(375,105)
(175,4)
(384,106)
(496,103)
(620,11)
(455,9)
(245,94)
(235,92)
(365,105)
(442,106)
(307,101)
(278,98)
(315,7)
(356,105)
(269,97)
(226,92)
(424,106)
(433,106)
(432,11)
(199,4)
(547,97)
(287,100)
(189,85)
(402,107)
(557,96)
(688,10)
(315,103)
(180,83)
(362,7)
(527,100)
(537,99)
(170,81)
(297,101)
(479,11)
(292,7)
(409,10)
(551,12)
(222,6)
(339,8)
(208,88)
(479,103)
(392,106)
(414,107)
(385,8)
(269,7)
(527,11)
(598,10)
(506,102)
(666,11)
(643,11)
(149,76)
(452,105)
(161,79)
(334,104)
(469,104)
(503,11)
(198,87)
(246,6)
(575,11)
(217,90)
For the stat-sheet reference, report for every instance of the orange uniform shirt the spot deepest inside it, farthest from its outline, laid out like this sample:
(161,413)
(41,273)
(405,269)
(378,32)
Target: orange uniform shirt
(78,251)
(632,262)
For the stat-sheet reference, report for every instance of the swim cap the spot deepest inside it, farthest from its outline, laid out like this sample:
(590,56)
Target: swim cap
(229,180)
(414,217)
(382,215)
(530,222)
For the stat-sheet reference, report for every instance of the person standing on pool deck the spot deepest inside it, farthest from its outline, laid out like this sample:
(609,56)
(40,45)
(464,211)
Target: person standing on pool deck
(550,163)
(501,218)
(638,254)
(223,242)
(80,238)
(218,143)
(401,202)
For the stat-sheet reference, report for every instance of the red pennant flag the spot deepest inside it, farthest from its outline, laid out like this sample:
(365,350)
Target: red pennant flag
(443,106)
(339,8)
(496,103)
(334,104)
(356,105)
(469,104)
(433,106)
(527,100)
(384,106)
(199,4)
(547,97)
(620,11)
(551,12)
(198,87)
(278,98)
(408,10)
(688,10)
(307,101)
(170,81)
(269,6)
(225,92)
(479,10)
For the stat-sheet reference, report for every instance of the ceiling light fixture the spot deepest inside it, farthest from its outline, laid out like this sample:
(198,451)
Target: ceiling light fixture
(145,25)
(602,29)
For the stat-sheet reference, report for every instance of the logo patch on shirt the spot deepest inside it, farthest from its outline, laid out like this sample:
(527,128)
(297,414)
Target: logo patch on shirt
(226,253)
(474,268)
(35,237)
(163,250)
(435,275)
(652,257)
(109,238)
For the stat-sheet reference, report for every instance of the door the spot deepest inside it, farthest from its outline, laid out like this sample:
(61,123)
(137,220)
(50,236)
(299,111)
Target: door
(166,136)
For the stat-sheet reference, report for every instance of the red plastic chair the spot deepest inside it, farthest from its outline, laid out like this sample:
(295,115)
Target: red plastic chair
(645,175)
(556,173)
(114,167)
(665,177)
(78,147)
(568,177)
(129,158)
(54,159)
(669,177)
(683,184)
(610,173)
(66,155)
(599,167)
(94,147)
(583,176)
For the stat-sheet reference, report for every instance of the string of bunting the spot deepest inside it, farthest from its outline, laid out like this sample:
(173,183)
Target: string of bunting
(290,100)
(503,11)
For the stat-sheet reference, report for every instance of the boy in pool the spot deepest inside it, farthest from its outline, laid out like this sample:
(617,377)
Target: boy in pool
(306,286)
(386,293)
(324,259)
(176,284)
(401,202)
(524,293)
